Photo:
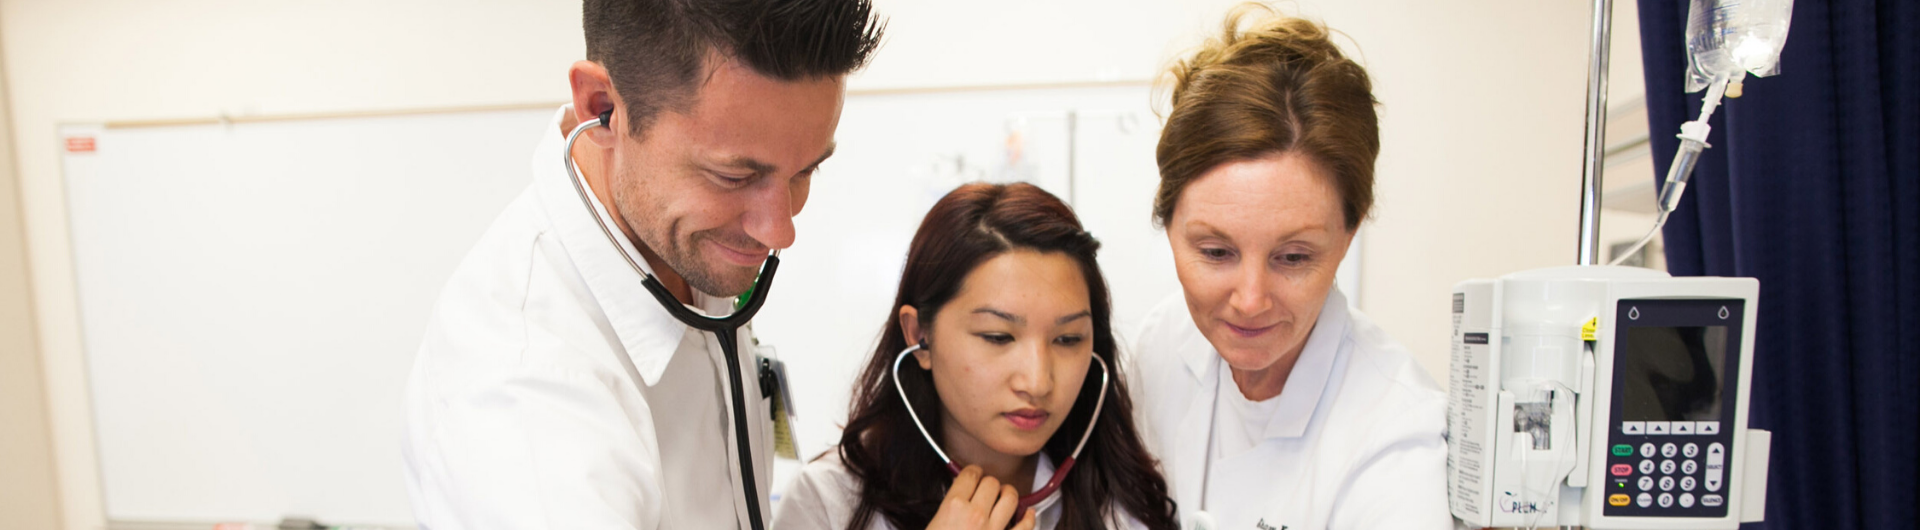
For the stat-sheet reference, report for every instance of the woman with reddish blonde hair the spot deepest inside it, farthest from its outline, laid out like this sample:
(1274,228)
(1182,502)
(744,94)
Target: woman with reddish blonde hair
(1271,402)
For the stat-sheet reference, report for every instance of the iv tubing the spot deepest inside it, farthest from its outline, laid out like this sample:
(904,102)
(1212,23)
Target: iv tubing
(1693,140)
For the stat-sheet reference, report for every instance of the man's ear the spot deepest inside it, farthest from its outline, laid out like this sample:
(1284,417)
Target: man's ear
(593,95)
(910,328)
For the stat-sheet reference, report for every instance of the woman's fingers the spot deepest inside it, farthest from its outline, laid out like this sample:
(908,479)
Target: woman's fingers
(1003,509)
(985,494)
(978,500)
(964,483)
(1027,520)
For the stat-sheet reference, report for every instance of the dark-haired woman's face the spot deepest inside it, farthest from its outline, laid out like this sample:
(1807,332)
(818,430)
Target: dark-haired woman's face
(1256,243)
(1009,353)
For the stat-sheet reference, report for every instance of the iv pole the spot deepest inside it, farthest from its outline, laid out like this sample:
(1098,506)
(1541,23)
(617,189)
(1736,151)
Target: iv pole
(1596,138)
(1596,133)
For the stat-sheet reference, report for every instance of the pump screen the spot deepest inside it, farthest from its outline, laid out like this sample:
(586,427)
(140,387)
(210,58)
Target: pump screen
(1673,373)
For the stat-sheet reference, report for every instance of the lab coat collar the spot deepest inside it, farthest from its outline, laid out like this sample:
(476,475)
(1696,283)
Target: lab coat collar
(1310,375)
(646,330)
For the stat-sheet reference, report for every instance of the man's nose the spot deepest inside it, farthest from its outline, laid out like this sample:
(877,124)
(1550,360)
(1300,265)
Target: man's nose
(769,215)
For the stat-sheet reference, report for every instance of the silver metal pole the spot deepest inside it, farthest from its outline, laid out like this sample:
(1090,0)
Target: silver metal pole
(1596,133)
(1073,154)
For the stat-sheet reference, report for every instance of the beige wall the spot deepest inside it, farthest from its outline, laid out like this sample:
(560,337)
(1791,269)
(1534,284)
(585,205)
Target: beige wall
(1482,119)
(27,493)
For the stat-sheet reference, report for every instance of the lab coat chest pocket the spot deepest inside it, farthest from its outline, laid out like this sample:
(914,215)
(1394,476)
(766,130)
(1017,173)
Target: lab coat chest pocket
(758,434)
(1273,472)
(1312,485)
(760,409)
(759,416)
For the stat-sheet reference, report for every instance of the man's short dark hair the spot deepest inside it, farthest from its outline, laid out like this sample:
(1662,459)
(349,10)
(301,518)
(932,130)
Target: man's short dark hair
(656,50)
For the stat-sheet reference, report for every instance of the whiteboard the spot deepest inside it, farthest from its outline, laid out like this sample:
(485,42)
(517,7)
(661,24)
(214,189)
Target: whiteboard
(252,294)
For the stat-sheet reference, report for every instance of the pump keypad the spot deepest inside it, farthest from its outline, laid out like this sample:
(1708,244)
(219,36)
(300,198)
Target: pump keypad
(1668,475)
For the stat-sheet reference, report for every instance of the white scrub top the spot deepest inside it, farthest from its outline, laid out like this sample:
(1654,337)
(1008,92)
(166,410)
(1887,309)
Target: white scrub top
(1353,441)
(552,391)
(825,495)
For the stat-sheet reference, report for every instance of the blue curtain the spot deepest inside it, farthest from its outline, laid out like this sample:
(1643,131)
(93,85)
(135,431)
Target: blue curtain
(1812,185)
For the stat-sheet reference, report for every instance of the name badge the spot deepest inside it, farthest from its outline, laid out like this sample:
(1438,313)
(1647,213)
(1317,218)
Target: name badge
(773,384)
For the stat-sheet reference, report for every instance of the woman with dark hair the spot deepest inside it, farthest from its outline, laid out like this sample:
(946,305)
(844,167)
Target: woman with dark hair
(1005,315)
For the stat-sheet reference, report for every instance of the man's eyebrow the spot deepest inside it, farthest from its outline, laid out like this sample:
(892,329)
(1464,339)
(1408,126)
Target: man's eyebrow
(759,167)
(748,163)
(824,156)
(1002,314)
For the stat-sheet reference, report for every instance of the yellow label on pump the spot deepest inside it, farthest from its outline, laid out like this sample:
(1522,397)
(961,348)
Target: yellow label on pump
(1587,331)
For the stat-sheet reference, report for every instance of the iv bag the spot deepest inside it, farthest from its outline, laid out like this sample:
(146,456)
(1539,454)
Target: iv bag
(1728,37)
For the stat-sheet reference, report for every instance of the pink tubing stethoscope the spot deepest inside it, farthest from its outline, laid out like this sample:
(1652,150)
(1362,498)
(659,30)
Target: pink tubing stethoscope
(1053,484)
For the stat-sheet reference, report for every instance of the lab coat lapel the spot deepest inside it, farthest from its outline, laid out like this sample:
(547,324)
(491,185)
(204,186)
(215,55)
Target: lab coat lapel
(1195,432)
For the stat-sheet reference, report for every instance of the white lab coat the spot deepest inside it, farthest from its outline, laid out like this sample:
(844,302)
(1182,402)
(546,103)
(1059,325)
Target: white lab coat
(825,495)
(552,391)
(1354,443)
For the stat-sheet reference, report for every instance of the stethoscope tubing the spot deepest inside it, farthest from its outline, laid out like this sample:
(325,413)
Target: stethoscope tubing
(1060,473)
(725,329)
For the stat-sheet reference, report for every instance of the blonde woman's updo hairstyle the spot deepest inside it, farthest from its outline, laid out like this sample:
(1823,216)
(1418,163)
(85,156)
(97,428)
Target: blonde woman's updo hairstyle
(1270,84)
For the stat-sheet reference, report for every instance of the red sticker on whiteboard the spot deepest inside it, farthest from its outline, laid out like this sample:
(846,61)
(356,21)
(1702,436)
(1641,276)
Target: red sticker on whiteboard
(80,144)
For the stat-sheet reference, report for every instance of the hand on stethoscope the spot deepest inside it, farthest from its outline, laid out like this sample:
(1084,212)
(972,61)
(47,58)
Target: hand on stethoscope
(979,502)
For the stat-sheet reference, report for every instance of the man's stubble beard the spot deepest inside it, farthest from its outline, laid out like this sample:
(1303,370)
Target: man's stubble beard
(646,217)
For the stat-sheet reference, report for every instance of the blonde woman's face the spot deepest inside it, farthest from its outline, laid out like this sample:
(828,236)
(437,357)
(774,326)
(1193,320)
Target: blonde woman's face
(1256,243)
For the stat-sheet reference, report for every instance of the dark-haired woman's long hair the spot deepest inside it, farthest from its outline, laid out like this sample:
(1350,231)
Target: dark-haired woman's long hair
(901,479)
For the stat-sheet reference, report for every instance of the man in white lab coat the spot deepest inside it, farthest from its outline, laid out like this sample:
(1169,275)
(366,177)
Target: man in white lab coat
(551,390)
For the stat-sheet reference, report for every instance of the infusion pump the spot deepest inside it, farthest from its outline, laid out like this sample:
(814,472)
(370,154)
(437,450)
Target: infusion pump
(1604,397)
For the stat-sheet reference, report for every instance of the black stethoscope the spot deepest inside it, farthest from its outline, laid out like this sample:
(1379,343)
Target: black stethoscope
(725,329)
(1059,473)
